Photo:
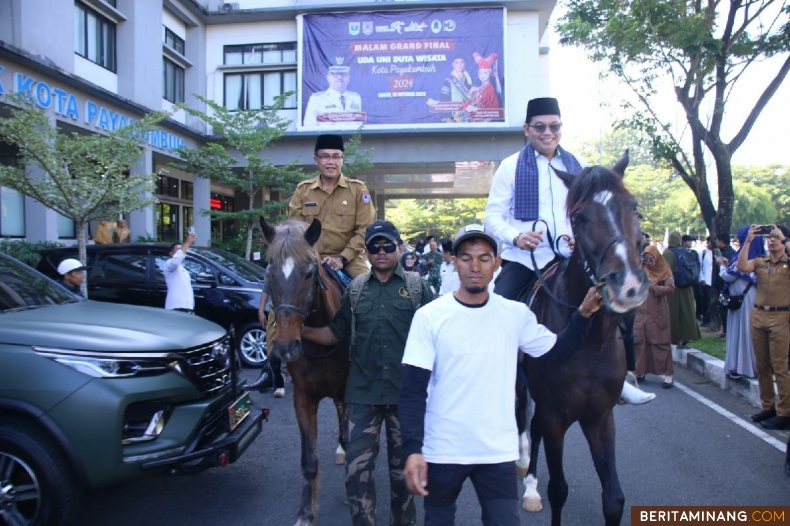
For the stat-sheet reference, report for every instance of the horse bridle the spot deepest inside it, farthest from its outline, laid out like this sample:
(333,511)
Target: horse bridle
(304,313)
(594,280)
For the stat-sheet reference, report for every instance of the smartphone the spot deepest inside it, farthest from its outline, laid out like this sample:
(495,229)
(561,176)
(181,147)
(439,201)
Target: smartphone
(764,230)
(191,230)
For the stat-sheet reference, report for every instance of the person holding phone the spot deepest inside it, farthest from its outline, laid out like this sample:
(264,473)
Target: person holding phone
(180,295)
(769,327)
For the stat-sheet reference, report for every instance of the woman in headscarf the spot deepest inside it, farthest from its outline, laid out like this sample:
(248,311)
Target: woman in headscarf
(682,308)
(409,261)
(102,235)
(739,357)
(652,327)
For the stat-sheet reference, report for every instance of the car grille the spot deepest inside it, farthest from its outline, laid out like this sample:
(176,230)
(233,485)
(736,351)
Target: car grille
(209,367)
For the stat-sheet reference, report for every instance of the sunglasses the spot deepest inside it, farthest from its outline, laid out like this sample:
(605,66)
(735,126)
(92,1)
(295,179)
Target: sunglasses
(375,248)
(540,127)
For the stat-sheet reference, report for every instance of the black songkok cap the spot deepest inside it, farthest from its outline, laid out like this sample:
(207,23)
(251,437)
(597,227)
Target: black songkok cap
(542,106)
(685,238)
(329,142)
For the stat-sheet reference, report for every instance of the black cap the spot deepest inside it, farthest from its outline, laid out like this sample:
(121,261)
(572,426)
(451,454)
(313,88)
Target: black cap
(685,238)
(473,231)
(382,229)
(329,142)
(542,106)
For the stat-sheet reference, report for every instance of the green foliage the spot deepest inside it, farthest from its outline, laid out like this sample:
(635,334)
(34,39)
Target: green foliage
(24,251)
(773,179)
(614,143)
(701,49)
(82,177)
(442,218)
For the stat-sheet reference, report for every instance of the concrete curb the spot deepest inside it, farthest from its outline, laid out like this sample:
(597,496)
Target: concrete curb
(712,369)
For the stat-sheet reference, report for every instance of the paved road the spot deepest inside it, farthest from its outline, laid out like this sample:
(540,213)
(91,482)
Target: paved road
(673,451)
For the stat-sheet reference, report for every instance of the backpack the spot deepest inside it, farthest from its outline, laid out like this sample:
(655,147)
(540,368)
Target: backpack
(413,286)
(686,271)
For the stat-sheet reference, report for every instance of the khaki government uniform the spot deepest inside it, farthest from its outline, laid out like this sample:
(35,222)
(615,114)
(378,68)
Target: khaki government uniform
(344,216)
(771,332)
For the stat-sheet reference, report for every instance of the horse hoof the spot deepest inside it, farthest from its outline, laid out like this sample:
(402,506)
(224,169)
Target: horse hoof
(340,458)
(532,504)
(521,472)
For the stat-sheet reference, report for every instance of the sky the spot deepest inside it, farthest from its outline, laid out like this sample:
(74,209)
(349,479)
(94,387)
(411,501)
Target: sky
(583,101)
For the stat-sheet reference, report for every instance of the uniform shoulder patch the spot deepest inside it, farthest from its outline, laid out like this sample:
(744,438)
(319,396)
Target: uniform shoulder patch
(366,197)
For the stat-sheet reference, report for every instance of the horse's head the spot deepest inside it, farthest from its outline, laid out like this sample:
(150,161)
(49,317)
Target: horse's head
(293,275)
(608,238)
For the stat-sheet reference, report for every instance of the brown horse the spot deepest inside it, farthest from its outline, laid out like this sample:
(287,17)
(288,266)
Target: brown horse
(302,294)
(586,387)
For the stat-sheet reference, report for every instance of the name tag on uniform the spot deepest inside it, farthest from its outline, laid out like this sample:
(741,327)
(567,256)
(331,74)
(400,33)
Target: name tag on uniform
(311,203)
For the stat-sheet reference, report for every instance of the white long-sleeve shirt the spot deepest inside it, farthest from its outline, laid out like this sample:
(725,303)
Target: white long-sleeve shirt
(706,266)
(499,219)
(179,286)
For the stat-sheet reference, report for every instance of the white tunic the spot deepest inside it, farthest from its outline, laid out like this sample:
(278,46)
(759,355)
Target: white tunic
(499,219)
(329,101)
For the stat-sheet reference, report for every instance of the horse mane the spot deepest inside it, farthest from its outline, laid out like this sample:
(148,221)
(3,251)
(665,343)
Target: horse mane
(289,242)
(589,182)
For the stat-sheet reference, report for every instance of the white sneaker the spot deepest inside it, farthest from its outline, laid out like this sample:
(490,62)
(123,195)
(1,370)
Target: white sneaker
(280,392)
(634,396)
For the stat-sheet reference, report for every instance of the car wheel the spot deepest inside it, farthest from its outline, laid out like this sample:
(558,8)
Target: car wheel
(37,485)
(251,343)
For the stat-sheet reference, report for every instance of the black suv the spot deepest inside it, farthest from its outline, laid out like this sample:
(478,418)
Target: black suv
(227,287)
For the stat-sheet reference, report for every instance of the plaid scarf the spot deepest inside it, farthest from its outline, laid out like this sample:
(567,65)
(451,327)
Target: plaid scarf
(527,198)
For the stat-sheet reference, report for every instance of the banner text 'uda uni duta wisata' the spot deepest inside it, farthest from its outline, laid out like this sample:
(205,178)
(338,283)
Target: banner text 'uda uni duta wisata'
(403,68)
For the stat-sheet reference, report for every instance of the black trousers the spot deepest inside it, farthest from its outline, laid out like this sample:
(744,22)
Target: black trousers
(514,280)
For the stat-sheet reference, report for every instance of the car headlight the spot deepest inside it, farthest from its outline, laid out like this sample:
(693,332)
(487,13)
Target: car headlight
(108,365)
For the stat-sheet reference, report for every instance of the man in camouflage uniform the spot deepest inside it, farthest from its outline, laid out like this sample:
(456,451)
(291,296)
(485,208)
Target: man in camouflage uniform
(378,309)
(432,261)
(345,209)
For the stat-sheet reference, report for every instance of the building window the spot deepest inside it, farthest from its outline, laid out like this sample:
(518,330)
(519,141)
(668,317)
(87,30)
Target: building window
(66,228)
(253,91)
(12,213)
(173,81)
(94,37)
(281,53)
(167,186)
(174,41)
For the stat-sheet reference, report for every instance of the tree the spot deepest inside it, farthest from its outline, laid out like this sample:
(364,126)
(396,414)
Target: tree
(609,149)
(769,177)
(250,133)
(704,49)
(81,177)
(442,218)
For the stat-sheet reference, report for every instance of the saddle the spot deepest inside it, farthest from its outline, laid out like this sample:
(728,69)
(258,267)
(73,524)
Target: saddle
(338,276)
(527,294)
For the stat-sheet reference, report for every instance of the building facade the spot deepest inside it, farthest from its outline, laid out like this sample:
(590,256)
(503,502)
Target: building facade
(391,66)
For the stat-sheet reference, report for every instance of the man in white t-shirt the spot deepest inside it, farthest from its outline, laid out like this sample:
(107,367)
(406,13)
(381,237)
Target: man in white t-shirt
(179,286)
(459,373)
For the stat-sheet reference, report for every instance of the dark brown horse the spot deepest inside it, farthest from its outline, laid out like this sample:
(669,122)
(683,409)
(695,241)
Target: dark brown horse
(586,387)
(302,294)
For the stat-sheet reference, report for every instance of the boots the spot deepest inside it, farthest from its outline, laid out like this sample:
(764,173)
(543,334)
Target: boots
(264,382)
(634,396)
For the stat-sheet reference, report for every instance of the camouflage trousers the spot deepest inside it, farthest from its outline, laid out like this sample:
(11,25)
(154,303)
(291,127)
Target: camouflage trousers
(363,429)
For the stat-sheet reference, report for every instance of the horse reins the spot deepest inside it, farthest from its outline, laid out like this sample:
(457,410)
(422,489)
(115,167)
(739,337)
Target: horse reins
(596,282)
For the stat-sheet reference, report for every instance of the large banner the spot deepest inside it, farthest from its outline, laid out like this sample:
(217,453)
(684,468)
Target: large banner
(401,69)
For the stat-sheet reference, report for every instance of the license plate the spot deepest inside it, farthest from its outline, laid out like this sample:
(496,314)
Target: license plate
(240,410)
